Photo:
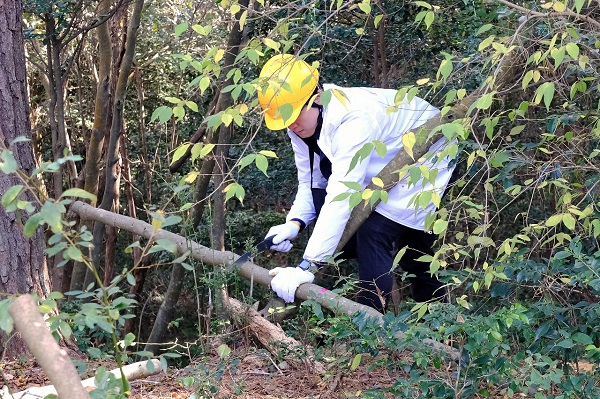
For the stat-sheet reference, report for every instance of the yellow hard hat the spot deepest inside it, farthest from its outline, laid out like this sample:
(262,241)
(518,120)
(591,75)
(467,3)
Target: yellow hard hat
(289,84)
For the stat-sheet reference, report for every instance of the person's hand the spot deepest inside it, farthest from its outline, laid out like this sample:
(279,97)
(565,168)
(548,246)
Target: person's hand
(282,234)
(287,280)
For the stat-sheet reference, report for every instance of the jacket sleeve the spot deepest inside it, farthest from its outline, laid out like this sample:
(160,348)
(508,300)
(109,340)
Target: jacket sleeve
(354,131)
(303,207)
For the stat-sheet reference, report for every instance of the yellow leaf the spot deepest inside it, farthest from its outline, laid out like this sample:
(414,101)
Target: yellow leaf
(377,181)
(409,140)
(219,55)
(191,177)
(559,6)
(422,81)
(243,19)
(157,223)
(340,96)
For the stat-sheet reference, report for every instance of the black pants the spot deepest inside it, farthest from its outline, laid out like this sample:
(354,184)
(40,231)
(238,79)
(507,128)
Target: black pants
(375,244)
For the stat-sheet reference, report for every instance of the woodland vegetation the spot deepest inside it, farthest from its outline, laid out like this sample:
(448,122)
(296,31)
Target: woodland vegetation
(135,167)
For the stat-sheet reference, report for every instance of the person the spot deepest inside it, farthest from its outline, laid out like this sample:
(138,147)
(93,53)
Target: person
(325,140)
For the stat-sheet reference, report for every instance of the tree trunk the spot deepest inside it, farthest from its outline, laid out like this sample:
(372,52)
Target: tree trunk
(166,311)
(23,266)
(113,172)
(100,128)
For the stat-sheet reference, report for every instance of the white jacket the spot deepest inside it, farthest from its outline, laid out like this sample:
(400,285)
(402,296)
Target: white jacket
(346,128)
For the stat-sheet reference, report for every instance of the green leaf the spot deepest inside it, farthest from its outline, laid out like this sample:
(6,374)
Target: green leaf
(73,253)
(356,362)
(365,7)
(262,163)
(483,29)
(206,149)
(6,320)
(445,69)
(286,111)
(554,220)
(52,213)
(526,79)
(179,152)
(247,160)
(179,112)
(32,224)
(8,164)
(572,50)
(173,100)
(355,199)
(569,221)
(353,185)
(192,105)
(440,226)
(429,18)
(163,245)
(223,350)
(203,84)
(548,94)
(380,148)
(566,343)
(485,101)
(341,197)
(271,43)
(486,42)
(582,338)
(268,153)
(377,20)
(326,98)
(78,192)
(11,194)
(360,155)
(559,55)
(179,29)
(163,113)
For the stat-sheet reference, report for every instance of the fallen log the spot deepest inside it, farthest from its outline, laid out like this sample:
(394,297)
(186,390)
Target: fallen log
(248,270)
(131,372)
(55,361)
(274,339)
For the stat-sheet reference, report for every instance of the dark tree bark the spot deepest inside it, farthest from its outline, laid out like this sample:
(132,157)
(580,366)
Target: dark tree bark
(113,165)
(23,266)
(100,128)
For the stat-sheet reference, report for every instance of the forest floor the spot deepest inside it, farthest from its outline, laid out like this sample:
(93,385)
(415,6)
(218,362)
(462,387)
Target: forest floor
(255,376)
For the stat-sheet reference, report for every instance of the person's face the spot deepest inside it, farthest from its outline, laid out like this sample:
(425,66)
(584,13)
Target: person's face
(306,123)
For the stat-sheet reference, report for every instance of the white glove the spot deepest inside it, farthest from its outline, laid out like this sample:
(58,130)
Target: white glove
(287,280)
(283,233)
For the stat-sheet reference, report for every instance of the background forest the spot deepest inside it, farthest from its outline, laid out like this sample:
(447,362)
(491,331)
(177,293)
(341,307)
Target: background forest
(134,166)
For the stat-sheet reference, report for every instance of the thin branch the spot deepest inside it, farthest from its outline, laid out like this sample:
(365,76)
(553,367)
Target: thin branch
(566,13)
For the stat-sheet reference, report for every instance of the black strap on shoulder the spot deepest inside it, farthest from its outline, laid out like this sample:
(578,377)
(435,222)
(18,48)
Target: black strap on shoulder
(313,147)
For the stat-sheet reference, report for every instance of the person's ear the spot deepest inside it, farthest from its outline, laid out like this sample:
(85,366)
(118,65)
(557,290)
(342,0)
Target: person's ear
(318,97)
